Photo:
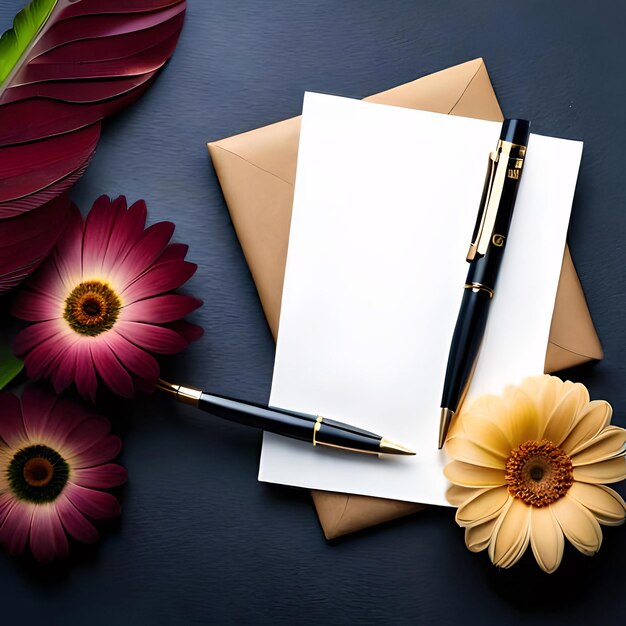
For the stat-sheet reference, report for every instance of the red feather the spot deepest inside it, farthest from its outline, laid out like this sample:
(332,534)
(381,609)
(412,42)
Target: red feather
(90,59)
(26,240)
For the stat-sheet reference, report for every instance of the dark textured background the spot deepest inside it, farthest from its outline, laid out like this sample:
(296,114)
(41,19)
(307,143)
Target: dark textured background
(200,541)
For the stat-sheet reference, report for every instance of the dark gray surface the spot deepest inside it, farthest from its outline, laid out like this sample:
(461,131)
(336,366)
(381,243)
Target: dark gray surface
(200,541)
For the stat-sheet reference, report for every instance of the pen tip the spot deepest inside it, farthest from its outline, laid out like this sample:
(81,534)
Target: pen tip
(169,388)
(390,447)
(182,393)
(444,424)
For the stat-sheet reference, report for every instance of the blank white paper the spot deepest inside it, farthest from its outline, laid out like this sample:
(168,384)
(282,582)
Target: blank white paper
(385,203)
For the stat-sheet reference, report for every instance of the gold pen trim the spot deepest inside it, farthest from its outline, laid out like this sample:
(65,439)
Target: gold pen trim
(476,287)
(385,447)
(511,150)
(500,168)
(316,429)
(333,445)
(444,425)
(182,393)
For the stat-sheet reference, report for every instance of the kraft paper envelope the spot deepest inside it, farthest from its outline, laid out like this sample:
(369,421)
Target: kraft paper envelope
(257,171)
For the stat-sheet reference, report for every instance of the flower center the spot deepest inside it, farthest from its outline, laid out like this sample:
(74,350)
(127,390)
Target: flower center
(37,474)
(92,308)
(538,473)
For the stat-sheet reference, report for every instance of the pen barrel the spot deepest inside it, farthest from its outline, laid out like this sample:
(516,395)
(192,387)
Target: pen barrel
(485,256)
(289,424)
(310,428)
(465,346)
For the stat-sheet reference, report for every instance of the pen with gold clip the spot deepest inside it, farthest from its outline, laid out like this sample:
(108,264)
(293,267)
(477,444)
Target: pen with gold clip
(485,257)
(315,429)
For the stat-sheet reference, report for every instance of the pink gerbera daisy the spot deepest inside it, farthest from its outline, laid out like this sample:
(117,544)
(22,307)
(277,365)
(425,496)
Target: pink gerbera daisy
(101,302)
(53,462)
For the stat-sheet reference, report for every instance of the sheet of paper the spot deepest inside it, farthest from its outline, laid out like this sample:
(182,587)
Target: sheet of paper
(385,204)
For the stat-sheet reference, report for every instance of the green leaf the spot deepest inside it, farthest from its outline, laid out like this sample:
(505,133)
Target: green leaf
(26,25)
(10,367)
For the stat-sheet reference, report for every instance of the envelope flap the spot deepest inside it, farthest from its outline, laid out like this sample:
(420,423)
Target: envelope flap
(341,513)
(460,90)
(464,90)
(260,208)
(273,149)
(573,338)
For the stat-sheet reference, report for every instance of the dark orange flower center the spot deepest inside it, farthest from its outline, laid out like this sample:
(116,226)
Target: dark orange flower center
(92,308)
(538,473)
(38,472)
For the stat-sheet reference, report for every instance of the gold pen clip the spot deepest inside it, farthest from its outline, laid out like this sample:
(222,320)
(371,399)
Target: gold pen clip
(490,201)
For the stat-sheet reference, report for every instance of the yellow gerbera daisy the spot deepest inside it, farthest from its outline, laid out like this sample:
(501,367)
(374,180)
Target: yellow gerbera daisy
(529,468)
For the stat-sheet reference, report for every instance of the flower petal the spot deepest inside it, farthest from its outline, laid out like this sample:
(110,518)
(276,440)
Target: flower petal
(41,359)
(7,500)
(75,523)
(12,430)
(522,422)
(38,362)
(483,507)
(189,332)
(36,334)
(16,526)
(160,278)
(67,255)
(159,309)
(174,251)
(488,407)
(477,538)
(562,418)
(611,442)
(607,505)
(127,230)
(457,495)
(86,381)
(534,385)
(467,451)
(468,475)
(64,365)
(153,338)
(132,357)
(61,419)
(611,471)
(47,280)
(115,377)
(36,306)
(578,524)
(94,504)
(486,434)
(47,537)
(101,451)
(37,405)
(511,534)
(596,415)
(546,539)
(143,253)
(100,477)
(97,233)
(73,429)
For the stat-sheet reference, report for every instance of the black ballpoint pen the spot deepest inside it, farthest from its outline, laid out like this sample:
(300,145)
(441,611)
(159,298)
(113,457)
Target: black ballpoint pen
(485,257)
(316,429)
